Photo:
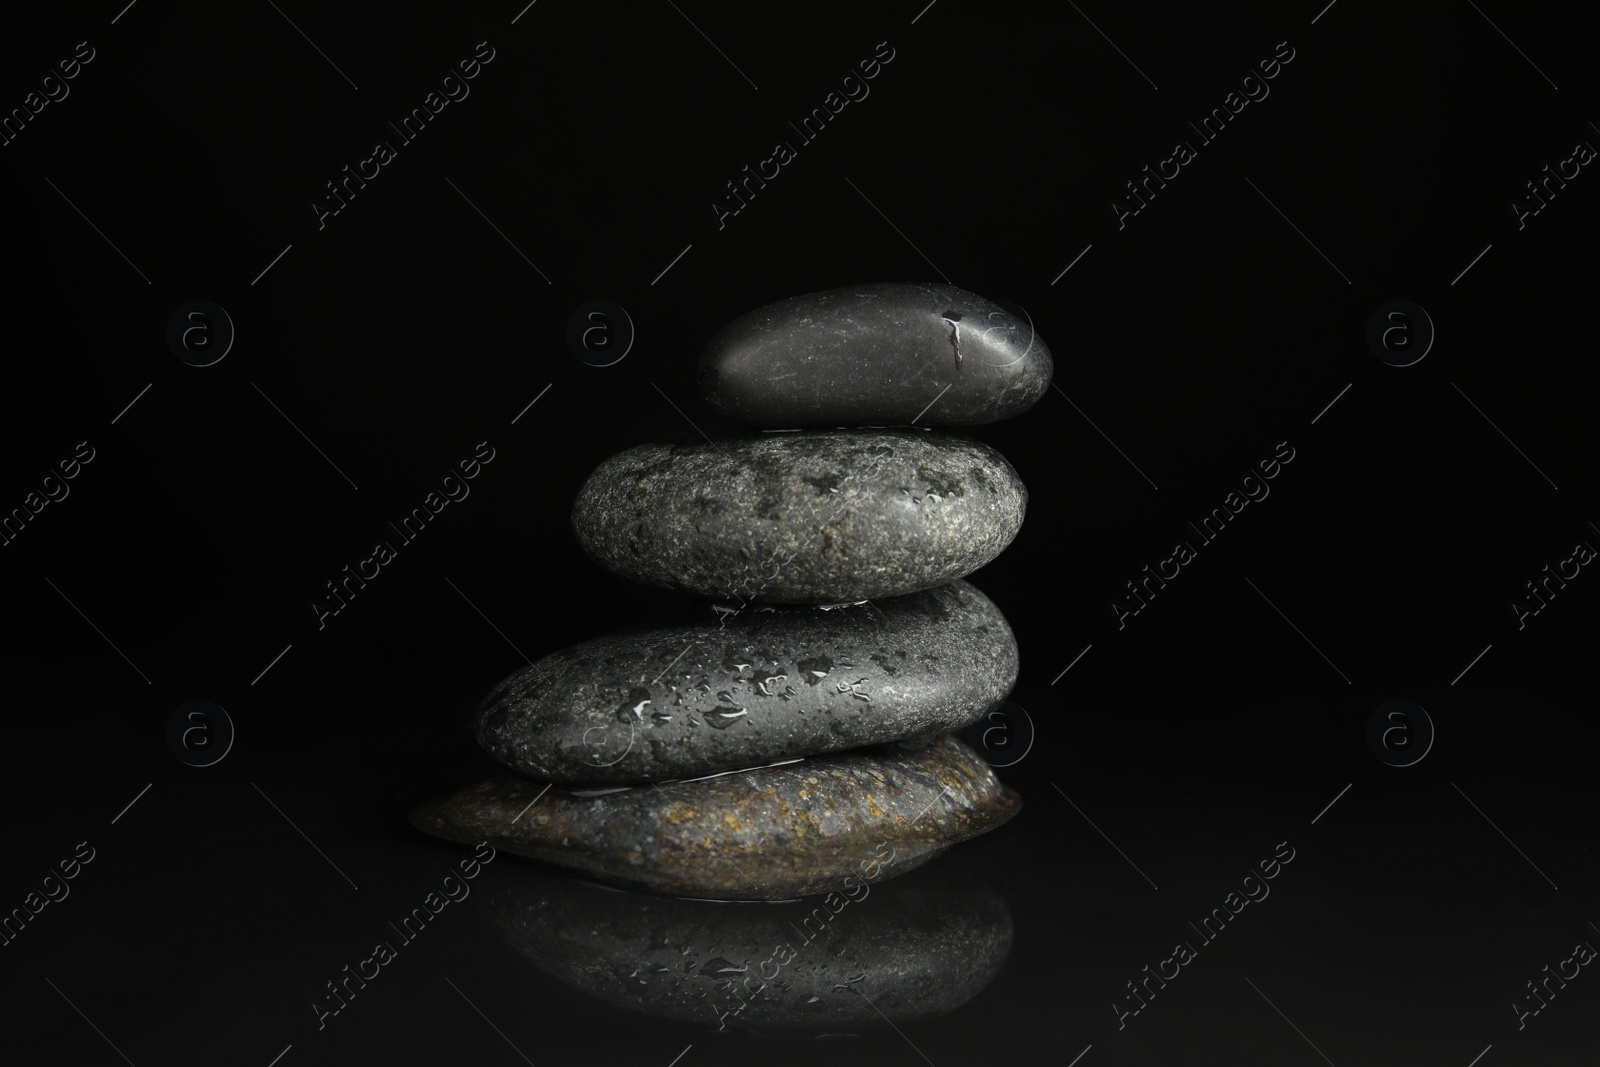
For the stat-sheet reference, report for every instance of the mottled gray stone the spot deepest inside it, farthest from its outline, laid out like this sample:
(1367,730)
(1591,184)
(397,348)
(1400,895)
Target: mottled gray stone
(819,516)
(919,946)
(876,354)
(752,687)
(773,833)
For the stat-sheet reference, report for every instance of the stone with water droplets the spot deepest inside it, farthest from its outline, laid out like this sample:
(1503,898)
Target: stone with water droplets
(770,834)
(882,354)
(820,516)
(918,946)
(737,688)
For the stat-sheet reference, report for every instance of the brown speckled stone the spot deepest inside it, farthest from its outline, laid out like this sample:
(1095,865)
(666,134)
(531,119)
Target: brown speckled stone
(919,946)
(752,687)
(769,834)
(815,517)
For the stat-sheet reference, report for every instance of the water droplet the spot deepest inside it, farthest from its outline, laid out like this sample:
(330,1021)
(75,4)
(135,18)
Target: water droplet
(718,965)
(815,669)
(721,719)
(632,709)
(764,682)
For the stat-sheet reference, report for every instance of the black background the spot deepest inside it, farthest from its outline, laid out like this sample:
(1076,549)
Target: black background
(1219,321)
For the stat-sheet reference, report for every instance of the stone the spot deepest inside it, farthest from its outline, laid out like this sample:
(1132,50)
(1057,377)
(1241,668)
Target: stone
(755,686)
(881,354)
(820,516)
(824,824)
(919,946)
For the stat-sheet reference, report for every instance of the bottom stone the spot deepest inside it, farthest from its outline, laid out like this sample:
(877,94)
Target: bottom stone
(826,824)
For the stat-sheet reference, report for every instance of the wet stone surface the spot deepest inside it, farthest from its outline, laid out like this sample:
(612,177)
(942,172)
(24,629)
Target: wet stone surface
(877,354)
(819,516)
(918,946)
(750,687)
(776,833)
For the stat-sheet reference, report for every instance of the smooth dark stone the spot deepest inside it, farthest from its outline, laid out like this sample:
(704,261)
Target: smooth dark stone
(919,946)
(752,687)
(824,824)
(814,517)
(876,354)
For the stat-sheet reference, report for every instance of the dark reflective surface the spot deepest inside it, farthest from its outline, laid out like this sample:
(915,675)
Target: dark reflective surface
(1327,901)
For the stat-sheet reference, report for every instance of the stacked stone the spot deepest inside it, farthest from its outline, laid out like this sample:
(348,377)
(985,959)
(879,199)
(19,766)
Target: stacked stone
(836,647)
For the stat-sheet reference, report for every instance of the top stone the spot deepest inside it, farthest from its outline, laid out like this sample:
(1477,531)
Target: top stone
(881,354)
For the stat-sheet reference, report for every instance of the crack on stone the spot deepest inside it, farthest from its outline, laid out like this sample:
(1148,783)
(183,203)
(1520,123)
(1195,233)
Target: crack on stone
(953,317)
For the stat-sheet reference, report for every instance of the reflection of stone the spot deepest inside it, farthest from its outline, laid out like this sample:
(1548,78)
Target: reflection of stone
(918,946)
(771,833)
(770,685)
